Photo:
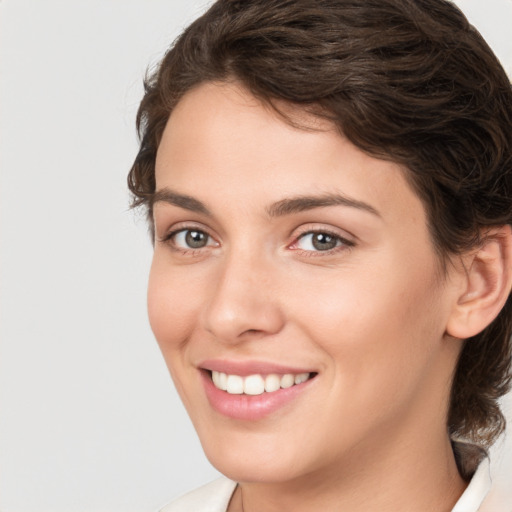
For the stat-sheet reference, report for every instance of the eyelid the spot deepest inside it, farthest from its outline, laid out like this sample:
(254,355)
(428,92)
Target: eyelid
(318,227)
(347,241)
(174,228)
(186,226)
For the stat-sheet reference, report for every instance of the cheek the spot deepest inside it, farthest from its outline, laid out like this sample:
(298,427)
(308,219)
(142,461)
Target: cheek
(380,329)
(172,303)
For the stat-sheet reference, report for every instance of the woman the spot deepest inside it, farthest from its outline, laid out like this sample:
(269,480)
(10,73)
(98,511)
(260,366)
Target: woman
(328,186)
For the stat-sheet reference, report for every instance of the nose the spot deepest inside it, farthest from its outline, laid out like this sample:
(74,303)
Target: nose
(245,301)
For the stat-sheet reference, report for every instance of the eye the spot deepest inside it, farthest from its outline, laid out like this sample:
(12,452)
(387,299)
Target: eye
(190,239)
(320,241)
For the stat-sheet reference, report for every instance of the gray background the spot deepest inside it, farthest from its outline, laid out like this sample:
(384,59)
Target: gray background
(89,420)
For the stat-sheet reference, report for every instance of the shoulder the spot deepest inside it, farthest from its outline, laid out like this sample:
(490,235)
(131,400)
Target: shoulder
(212,497)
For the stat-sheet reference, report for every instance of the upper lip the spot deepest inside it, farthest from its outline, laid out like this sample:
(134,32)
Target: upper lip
(245,368)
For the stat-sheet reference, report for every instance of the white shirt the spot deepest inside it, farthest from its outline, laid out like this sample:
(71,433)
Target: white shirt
(215,496)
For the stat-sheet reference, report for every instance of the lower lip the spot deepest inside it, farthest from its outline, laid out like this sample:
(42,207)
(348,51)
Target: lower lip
(250,407)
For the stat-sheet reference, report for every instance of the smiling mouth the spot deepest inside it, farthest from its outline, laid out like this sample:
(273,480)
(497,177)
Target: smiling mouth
(257,384)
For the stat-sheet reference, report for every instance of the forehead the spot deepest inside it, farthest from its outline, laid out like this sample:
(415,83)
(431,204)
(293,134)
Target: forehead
(223,143)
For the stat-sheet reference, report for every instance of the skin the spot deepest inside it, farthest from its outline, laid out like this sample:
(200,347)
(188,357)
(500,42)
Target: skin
(370,316)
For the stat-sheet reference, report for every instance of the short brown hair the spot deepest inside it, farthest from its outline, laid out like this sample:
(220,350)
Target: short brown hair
(404,80)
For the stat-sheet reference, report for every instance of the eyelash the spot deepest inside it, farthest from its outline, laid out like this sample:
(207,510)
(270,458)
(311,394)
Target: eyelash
(168,239)
(344,243)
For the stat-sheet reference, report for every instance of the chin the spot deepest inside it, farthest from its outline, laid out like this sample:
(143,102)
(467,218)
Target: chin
(239,468)
(263,458)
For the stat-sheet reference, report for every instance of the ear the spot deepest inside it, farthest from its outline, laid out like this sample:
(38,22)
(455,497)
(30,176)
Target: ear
(486,283)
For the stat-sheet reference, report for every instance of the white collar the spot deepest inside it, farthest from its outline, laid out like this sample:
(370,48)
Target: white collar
(215,496)
(477,489)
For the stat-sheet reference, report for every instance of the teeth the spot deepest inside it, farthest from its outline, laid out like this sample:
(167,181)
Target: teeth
(301,377)
(220,380)
(287,380)
(215,378)
(235,385)
(256,384)
(272,383)
(223,381)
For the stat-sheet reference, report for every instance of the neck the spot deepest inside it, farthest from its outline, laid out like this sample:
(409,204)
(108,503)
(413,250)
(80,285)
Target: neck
(376,478)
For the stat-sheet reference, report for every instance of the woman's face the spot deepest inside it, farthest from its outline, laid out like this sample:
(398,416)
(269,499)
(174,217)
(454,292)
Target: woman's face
(284,254)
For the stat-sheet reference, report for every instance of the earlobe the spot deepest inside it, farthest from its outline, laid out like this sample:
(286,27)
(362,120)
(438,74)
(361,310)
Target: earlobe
(486,286)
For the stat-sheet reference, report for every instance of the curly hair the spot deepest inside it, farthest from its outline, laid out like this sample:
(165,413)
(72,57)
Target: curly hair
(409,81)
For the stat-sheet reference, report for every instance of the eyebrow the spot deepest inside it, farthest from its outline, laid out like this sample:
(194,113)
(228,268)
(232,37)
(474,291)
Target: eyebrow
(181,200)
(280,208)
(303,203)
